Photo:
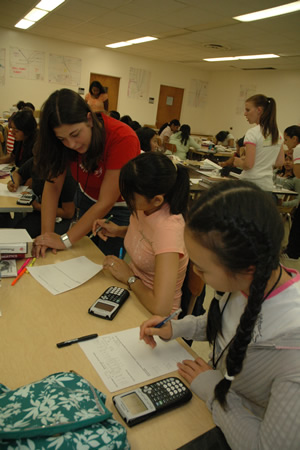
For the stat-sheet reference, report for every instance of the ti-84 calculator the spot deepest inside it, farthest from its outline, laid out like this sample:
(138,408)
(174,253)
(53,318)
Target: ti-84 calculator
(109,303)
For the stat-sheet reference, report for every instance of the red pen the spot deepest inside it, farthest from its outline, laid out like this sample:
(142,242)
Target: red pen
(19,276)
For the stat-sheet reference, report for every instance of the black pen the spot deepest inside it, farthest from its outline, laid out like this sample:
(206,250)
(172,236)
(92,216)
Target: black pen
(74,341)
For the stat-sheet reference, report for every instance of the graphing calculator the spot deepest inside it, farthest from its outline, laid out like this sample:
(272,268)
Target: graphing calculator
(26,199)
(109,303)
(142,403)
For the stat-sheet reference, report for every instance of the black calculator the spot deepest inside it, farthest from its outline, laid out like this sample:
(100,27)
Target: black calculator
(26,199)
(109,303)
(142,403)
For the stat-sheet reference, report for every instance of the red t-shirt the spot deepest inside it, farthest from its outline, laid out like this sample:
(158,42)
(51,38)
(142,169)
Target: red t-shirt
(121,145)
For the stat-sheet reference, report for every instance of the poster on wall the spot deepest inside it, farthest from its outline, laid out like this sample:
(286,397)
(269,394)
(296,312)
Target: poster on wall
(64,70)
(198,93)
(245,92)
(2,66)
(138,84)
(26,64)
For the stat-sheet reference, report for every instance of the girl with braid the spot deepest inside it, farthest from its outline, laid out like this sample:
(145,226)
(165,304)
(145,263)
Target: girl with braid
(251,384)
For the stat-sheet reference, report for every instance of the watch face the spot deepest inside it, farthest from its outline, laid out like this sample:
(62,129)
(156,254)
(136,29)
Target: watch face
(131,280)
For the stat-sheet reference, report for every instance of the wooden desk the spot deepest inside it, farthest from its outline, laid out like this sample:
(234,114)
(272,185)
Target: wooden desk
(9,204)
(205,152)
(33,321)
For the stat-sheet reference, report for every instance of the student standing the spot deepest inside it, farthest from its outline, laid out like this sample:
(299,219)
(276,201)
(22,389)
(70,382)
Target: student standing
(252,383)
(157,193)
(95,149)
(263,143)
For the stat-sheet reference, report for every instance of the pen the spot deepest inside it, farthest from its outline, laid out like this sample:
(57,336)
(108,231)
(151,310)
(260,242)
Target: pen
(24,265)
(99,228)
(167,319)
(19,276)
(74,341)
(121,253)
(31,264)
(11,177)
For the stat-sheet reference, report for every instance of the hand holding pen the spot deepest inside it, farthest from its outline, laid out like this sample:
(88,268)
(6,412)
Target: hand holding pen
(157,326)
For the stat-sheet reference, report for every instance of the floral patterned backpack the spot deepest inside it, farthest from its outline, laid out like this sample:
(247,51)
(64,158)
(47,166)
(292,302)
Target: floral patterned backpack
(61,411)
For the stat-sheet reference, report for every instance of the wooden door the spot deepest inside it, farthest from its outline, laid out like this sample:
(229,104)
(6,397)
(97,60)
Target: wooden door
(169,104)
(111,84)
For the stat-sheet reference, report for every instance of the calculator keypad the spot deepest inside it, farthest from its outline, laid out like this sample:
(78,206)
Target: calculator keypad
(113,294)
(164,392)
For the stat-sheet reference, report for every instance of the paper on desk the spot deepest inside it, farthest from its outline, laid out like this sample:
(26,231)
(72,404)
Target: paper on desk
(66,275)
(122,360)
(4,192)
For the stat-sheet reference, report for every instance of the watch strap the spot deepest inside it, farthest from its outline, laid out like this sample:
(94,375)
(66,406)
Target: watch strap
(65,240)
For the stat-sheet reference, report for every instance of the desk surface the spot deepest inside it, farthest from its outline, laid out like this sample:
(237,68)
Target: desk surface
(33,321)
(9,204)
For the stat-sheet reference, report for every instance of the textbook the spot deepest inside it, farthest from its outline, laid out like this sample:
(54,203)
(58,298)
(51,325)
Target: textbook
(8,268)
(15,241)
(13,255)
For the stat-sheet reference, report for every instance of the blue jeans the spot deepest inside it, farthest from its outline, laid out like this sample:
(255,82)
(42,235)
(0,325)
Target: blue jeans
(120,214)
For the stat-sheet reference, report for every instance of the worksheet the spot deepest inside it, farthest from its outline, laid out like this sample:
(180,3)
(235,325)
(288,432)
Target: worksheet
(122,360)
(66,275)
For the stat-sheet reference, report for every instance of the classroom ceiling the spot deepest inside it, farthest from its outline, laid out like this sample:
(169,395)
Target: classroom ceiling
(187,30)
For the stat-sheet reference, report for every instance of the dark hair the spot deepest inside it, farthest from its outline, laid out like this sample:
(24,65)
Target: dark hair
(283,169)
(29,105)
(240,224)
(293,130)
(134,125)
(173,122)
(126,119)
(25,121)
(185,131)
(221,136)
(151,174)
(20,105)
(115,115)
(66,107)
(145,134)
(267,120)
(240,142)
(97,85)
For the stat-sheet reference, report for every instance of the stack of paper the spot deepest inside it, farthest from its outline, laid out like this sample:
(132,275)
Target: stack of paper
(15,244)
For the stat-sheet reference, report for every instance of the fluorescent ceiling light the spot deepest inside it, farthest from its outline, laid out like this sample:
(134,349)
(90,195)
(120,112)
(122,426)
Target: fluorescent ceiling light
(118,44)
(235,58)
(142,39)
(24,24)
(270,12)
(35,14)
(131,42)
(49,5)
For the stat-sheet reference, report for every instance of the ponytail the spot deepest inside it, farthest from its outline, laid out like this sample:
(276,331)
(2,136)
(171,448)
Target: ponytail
(178,196)
(268,118)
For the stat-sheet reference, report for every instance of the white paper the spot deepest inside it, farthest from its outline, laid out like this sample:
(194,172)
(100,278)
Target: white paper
(4,192)
(195,180)
(14,235)
(122,360)
(66,275)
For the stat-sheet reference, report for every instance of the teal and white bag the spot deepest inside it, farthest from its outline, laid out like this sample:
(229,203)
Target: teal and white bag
(62,411)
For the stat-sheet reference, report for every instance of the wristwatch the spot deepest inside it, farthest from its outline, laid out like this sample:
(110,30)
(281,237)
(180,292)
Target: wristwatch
(132,280)
(66,241)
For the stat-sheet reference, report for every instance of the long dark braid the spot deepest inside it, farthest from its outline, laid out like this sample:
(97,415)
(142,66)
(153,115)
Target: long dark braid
(240,224)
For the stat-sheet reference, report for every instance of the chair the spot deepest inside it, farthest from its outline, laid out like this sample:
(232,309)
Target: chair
(192,289)
(171,147)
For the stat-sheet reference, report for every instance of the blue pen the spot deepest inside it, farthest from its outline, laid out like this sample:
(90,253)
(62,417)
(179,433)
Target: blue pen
(167,319)
(121,253)
(11,178)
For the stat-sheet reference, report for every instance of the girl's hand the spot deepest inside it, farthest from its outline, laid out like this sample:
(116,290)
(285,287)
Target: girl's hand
(12,187)
(147,330)
(109,229)
(189,369)
(119,269)
(237,162)
(47,240)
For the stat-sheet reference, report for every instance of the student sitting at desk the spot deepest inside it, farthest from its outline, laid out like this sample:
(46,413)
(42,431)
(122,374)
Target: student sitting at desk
(239,153)
(251,383)
(24,130)
(225,138)
(157,192)
(183,141)
(167,129)
(148,139)
(66,206)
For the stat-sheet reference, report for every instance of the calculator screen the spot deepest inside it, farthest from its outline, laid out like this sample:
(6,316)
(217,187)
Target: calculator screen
(104,306)
(134,403)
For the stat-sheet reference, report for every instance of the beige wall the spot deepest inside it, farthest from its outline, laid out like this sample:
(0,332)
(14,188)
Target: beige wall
(218,112)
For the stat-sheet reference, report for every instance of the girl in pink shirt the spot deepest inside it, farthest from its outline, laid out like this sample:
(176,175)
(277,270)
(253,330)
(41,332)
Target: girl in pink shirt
(157,192)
